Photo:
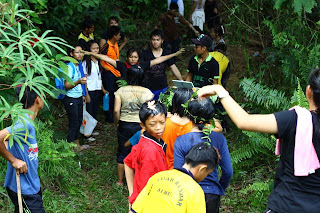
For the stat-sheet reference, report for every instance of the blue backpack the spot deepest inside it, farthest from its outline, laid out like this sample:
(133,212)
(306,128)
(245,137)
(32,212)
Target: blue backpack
(60,81)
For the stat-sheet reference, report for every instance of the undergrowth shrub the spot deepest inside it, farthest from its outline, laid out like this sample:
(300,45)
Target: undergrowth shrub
(57,164)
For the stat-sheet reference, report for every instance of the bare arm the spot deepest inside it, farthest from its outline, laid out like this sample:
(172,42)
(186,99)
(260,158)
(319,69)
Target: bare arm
(188,24)
(102,57)
(69,86)
(176,71)
(129,177)
(215,81)
(125,40)
(102,42)
(189,77)
(218,127)
(19,165)
(104,90)
(161,59)
(255,123)
(117,107)
(194,4)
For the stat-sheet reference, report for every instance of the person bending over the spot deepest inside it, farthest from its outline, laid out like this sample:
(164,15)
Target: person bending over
(177,190)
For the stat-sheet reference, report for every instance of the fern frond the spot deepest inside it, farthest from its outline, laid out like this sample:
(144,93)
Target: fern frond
(299,98)
(257,143)
(258,186)
(263,95)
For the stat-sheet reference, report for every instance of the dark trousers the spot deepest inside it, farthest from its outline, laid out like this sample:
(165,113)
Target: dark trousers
(212,203)
(33,203)
(172,46)
(93,106)
(74,108)
(125,131)
(108,80)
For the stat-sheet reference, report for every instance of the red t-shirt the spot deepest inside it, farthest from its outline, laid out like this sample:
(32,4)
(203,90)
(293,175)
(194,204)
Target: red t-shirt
(146,158)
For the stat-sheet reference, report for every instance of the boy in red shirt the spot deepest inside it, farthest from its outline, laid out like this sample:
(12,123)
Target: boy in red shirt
(148,156)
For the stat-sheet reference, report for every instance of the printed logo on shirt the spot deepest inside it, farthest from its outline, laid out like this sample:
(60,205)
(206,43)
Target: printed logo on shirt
(33,152)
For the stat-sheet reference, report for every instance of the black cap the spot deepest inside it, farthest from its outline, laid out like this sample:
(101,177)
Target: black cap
(203,40)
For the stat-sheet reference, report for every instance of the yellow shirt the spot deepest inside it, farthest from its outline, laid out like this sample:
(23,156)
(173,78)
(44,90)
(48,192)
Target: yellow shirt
(171,191)
(81,36)
(223,63)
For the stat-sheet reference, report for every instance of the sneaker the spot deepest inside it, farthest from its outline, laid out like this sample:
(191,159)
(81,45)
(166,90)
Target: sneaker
(91,139)
(95,134)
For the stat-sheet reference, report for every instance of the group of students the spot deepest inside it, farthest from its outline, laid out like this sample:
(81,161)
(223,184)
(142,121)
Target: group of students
(154,188)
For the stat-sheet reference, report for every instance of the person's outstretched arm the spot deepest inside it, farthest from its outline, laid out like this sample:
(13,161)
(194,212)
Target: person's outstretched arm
(102,57)
(19,165)
(165,58)
(188,24)
(256,123)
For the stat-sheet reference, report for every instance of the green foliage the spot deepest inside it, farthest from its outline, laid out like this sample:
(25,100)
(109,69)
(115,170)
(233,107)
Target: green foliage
(256,193)
(121,83)
(56,157)
(257,144)
(263,95)
(166,98)
(299,98)
(25,62)
(299,6)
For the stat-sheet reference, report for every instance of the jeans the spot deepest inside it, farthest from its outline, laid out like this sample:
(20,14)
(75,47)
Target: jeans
(32,202)
(93,106)
(74,108)
(108,80)
(212,203)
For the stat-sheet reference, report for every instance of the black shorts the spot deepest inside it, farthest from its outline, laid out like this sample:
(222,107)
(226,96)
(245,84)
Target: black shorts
(125,131)
(212,203)
(33,203)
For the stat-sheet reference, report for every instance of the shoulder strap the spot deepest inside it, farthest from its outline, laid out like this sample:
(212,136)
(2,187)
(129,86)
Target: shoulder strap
(104,49)
(73,69)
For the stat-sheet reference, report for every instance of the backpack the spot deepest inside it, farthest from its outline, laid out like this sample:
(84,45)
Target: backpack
(60,81)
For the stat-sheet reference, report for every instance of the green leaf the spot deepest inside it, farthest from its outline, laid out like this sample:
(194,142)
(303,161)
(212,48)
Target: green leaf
(278,4)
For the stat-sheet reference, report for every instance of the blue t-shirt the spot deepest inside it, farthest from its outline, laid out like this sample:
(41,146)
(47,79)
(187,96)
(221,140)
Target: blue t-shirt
(134,140)
(75,92)
(211,184)
(30,182)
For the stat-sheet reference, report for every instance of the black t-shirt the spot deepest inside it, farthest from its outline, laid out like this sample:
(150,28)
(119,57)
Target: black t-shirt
(204,74)
(294,193)
(122,67)
(155,78)
(105,35)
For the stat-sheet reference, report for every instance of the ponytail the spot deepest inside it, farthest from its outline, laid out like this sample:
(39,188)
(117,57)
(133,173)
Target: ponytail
(314,82)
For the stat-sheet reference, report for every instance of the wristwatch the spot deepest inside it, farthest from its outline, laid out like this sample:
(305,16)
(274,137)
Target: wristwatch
(223,94)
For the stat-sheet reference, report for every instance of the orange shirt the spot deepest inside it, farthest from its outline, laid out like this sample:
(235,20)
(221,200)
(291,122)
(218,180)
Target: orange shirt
(113,52)
(172,131)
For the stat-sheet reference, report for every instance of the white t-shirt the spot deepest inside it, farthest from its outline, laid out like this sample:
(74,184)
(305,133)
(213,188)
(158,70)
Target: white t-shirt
(200,5)
(94,79)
